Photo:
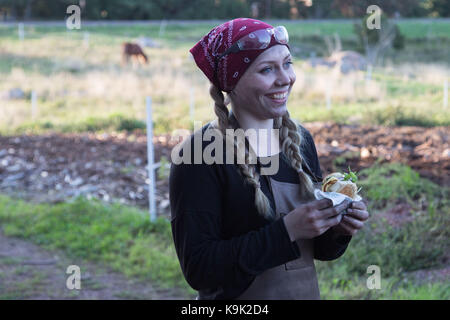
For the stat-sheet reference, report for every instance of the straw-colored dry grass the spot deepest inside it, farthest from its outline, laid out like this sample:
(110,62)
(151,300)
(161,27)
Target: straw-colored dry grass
(75,82)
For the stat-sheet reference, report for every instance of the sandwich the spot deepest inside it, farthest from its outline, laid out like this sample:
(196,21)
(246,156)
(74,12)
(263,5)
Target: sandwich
(341,183)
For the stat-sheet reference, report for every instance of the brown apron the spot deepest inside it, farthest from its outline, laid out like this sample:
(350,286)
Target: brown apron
(297,279)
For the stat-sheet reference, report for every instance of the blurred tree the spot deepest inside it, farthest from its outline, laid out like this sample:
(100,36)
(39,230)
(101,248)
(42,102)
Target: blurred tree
(19,9)
(280,9)
(219,9)
(352,9)
(321,9)
(268,8)
(437,8)
(375,42)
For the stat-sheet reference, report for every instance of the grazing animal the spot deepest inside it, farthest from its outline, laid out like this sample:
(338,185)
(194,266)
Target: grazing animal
(344,61)
(340,61)
(134,51)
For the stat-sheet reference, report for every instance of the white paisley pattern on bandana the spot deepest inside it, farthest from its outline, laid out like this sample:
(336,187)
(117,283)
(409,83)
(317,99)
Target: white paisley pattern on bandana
(216,44)
(212,40)
(205,51)
(212,35)
(229,43)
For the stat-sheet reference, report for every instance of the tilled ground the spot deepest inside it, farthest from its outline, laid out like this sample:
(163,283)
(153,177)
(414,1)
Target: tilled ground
(55,167)
(426,150)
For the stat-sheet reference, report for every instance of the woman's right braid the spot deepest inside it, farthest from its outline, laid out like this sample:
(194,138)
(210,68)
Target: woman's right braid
(248,168)
(220,109)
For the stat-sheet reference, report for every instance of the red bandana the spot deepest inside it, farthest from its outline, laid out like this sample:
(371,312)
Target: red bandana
(232,66)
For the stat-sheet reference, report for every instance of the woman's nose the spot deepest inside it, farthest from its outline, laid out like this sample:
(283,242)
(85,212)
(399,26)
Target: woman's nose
(283,78)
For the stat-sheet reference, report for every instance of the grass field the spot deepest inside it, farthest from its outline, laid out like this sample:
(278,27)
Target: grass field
(70,78)
(123,238)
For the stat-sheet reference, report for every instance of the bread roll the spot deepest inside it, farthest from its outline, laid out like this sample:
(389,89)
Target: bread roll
(335,182)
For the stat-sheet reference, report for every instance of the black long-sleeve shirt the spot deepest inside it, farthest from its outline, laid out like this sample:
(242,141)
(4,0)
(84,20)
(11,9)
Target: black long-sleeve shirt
(222,242)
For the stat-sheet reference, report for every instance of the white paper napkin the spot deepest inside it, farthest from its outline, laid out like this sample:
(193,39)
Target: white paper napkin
(336,197)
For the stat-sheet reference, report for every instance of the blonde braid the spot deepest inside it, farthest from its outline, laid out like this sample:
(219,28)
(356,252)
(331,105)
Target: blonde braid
(247,169)
(220,109)
(290,140)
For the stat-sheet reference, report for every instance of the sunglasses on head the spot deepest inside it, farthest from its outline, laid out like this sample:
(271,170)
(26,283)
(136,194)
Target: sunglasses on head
(256,40)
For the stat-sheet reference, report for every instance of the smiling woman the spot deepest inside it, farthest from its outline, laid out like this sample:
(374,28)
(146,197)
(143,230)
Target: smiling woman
(240,232)
(267,84)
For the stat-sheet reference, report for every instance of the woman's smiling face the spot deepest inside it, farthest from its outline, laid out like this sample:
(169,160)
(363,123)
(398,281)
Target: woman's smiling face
(264,88)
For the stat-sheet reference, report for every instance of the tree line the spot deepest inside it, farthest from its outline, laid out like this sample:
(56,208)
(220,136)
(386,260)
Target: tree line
(217,9)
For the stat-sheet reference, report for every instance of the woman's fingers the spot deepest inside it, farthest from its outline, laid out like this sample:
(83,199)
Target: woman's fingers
(360,205)
(322,204)
(348,230)
(331,222)
(352,222)
(361,215)
(333,211)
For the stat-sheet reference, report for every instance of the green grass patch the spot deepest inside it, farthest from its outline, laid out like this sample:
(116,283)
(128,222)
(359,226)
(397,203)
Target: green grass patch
(114,122)
(392,182)
(421,243)
(399,116)
(116,235)
(124,238)
(429,291)
(31,283)
(393,288)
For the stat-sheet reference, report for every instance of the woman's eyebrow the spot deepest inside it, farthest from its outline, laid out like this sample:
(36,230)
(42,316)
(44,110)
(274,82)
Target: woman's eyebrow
(273,61)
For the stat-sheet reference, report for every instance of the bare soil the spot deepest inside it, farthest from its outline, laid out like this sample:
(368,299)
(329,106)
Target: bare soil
(426,150)
(54,167)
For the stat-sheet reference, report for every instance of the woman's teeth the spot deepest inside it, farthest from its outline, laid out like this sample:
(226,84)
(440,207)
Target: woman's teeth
(278,96)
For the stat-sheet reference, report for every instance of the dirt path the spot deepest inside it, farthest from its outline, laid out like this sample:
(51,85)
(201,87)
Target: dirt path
(30,272)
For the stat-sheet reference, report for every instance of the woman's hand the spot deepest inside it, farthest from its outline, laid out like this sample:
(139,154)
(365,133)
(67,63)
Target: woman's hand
(313,218)
(354,220)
